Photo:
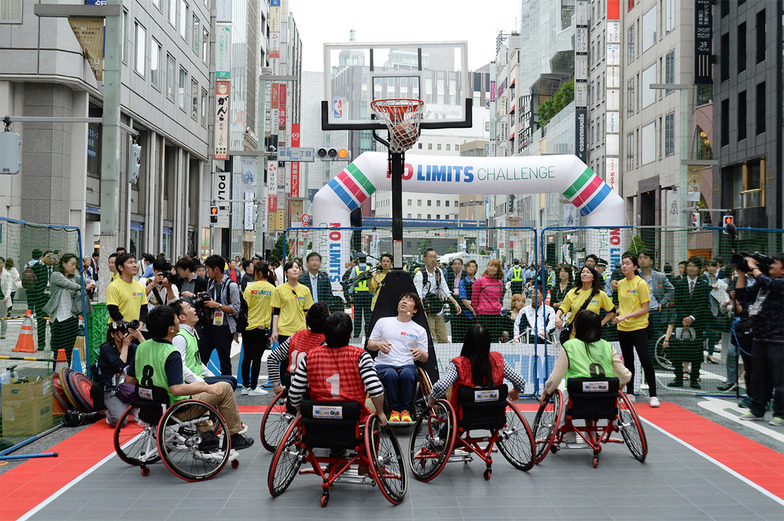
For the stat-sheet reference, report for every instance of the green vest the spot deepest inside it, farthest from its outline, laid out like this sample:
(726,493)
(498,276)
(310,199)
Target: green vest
(362,285)
(583,364)
(150,365)
(192,356)
(517,274)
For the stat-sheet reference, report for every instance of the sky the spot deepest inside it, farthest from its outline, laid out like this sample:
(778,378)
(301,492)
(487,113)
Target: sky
(321,21)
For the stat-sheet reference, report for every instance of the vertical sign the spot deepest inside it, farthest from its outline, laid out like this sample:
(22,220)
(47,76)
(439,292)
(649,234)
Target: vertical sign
(703,42)
(248,167)
(223,51)
(581,79)
(282,107)
(223,11)
(274,45)
(221,190)
(612,127)
(89,34)
(274,111)
(272,187)
(295,142)
(221,119)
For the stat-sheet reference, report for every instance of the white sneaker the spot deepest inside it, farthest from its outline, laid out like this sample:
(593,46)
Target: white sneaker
(654,401)
(631,398)
(258,391)
(245,390)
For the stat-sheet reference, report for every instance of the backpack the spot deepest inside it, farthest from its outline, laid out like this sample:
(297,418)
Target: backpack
(242,318)
(432,301)
(29,278)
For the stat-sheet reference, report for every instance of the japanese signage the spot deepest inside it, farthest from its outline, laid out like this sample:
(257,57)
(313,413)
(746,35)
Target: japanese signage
(223,51)
(221,119)
(295,140)
(223,11)
(703,46)
(282,106)
(89,33)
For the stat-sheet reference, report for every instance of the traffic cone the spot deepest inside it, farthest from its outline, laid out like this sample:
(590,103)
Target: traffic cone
(76,361)
(26,342)
(547,299)
(62,360)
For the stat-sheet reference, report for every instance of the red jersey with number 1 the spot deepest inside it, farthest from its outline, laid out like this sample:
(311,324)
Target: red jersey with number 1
(333,374)
(299,346)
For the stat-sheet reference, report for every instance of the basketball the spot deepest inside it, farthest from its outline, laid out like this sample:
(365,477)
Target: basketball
(404,134)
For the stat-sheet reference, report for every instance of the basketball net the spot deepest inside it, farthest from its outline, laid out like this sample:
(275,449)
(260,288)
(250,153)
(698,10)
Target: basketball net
(402,117)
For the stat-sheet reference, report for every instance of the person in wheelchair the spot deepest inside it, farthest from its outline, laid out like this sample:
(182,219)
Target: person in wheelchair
(158,364)
(586,355)
(476,367)
(400,342)
(338,371)
(295,348)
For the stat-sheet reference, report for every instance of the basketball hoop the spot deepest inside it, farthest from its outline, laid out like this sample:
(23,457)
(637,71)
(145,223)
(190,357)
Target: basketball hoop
(402,117)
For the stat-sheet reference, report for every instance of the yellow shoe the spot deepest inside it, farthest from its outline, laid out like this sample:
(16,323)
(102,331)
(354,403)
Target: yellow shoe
(394,417)
(405,417)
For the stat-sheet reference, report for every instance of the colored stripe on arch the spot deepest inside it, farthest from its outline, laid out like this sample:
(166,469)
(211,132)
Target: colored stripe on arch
(361,178)
(344,196)
(597,200)
(352,186)
(578,184)
(588,191)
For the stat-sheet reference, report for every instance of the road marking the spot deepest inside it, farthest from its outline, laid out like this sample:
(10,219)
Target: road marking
(718,406)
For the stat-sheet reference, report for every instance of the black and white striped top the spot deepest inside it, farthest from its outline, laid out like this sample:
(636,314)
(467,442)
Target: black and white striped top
(450,376)
(367,371)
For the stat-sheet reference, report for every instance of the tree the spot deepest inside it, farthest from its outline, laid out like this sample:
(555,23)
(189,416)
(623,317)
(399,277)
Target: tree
(277,250)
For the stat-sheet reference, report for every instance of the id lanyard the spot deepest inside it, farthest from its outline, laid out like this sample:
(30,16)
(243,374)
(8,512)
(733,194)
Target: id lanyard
(217,319)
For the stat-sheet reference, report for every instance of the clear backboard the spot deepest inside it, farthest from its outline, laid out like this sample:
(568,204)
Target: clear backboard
(357,73)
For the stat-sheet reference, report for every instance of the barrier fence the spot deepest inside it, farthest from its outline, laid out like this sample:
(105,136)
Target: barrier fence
(531,342)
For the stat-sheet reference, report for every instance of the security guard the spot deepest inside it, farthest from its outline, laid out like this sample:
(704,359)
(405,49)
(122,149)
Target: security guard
(362,296)
(517,278)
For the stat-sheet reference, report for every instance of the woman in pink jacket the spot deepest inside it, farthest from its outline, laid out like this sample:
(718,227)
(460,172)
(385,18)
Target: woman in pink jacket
(486,299)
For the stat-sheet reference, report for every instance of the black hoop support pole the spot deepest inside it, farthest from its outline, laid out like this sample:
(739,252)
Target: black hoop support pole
(396,166)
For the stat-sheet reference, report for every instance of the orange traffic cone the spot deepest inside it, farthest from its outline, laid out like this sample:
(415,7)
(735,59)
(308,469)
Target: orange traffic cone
(547,299)
(62,360)
(26,342)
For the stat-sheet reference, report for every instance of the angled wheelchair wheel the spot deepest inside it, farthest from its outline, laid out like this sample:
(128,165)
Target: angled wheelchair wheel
(516,440)
(660,355)
(546,423)
(389,468)
(193,440)
(432,441)
(135,444)
(286,461)
(631,428)
(275,422)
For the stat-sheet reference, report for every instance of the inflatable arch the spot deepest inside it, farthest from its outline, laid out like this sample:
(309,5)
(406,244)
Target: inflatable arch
(332,205)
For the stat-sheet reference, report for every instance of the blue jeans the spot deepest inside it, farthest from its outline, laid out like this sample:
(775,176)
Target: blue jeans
(399,383)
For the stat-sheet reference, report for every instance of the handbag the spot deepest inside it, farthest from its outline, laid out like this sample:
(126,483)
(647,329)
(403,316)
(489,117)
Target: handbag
(566,331)
(126,392)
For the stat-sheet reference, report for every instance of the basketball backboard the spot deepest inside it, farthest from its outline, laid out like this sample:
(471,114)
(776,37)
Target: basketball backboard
(357,73)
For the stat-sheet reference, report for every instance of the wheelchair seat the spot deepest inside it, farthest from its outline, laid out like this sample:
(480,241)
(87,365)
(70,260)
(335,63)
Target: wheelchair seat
(331,424)
(482,408)
(593,398)
(151,403)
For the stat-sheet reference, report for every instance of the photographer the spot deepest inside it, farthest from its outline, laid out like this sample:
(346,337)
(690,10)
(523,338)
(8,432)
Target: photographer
(223,307)
(161,287)
(116,354)
(766,309)
(190,284)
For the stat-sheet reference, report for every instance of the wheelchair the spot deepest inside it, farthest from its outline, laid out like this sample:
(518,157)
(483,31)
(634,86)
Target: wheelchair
(419,403)
(604,408)
(442,433)
(193,449)
(363,454)
(277,417)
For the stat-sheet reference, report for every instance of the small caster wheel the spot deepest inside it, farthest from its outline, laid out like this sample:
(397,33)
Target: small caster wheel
(324,500)
(235,464)
(145,471)
(595,462)
(487,474)
(554,448)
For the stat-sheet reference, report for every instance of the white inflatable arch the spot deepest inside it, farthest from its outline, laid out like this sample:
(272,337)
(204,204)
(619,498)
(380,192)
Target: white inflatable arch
(566,174)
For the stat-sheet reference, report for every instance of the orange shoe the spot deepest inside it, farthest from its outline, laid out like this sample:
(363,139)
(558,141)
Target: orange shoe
(394,417)
(405,417)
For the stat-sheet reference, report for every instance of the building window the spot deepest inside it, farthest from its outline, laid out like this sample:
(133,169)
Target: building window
(725,122)
(409,202)
(761,36)
(438,146)
(429,216)
(173,12)
(157,4)
(183,20)
(11,11)
(649,29)
(156,57)
(419,146)
(741,47)
(725,7)
(140,54)
(438,216)
(630,5)
(648,143)
(630,151)
(204,108)
(760,114)
(724,56)
(194,99)
(408,215)
(669,16)
(669,134)
(648,94)
(742,115)
(183,86)
(438,202)
(430,146)
(124,34)
(702,146)
(448,146)
(630,44)
(429,202)
(205,44)
(446,203)
(196,32)
(171,76)
(630,98)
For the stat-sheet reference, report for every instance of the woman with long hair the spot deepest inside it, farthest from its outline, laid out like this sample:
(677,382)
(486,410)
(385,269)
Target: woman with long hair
(587,295)
(377,282)
(486,299)
(463,321)
(562,286)
(290,302)
(255,339)
(509,331)
(477,366)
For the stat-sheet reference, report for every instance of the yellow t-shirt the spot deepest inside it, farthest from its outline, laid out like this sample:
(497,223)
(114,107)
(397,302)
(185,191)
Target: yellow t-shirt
(258,295)
(574,302)
(374,288)
(128,297)
(632,294)
(115,276)
(292,304)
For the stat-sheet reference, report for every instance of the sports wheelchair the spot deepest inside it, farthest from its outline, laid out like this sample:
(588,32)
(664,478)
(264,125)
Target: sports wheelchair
(443,433)
(604,408)
(365,454)
(190,436)
(277,417)
(419,403)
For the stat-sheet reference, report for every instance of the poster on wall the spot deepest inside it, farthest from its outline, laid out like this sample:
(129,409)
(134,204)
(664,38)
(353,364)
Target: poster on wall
(221,119)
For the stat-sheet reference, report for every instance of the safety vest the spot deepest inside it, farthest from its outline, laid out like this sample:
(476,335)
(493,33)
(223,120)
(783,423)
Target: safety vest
(465,377)
(588,360)
(362,285)
(150,366)
(517,274)
(192,356)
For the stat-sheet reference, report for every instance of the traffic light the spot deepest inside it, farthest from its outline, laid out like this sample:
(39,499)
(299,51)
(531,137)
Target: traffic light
(729,225)
(134,162)
(333,154)
(695,219)
(213,215)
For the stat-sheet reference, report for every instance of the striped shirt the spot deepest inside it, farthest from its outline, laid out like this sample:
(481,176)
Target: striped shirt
(367,372)
(281,355)
(450,376)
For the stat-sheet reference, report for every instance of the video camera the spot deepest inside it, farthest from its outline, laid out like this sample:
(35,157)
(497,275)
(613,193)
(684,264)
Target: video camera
(124,326)
(738,260)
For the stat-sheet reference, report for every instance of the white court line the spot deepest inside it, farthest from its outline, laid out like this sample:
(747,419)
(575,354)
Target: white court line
(718,406)
(717,463)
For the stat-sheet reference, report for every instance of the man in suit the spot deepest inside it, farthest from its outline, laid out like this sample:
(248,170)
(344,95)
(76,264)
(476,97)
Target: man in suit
(692,313)
(40,294)
(318,282)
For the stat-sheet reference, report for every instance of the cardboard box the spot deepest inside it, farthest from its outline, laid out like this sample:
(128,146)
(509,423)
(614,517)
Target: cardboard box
(27,408)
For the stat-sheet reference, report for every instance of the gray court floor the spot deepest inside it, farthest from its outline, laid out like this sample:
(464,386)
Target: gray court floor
(674,483)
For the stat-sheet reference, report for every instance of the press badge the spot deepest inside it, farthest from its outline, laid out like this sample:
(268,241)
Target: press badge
(217,320)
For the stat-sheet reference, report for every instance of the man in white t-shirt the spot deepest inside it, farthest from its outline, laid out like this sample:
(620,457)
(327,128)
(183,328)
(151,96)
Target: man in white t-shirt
(400,342)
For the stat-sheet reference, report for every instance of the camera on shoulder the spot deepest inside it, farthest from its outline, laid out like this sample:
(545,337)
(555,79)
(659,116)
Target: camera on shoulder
(739,261)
